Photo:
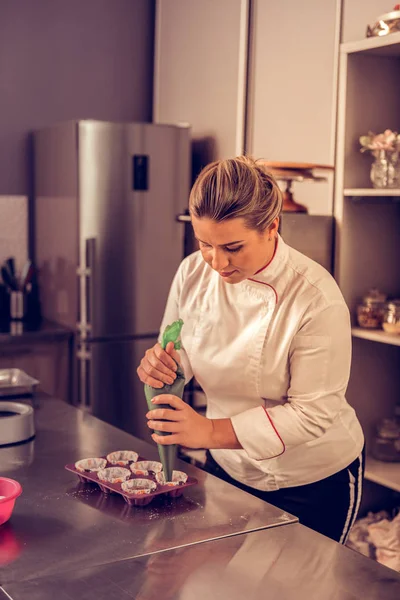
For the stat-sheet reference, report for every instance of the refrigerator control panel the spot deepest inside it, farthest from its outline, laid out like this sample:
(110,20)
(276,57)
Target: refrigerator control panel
(140,172)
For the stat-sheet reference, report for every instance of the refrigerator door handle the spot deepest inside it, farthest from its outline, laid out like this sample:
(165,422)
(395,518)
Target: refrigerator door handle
(86,275)
(84,357)
(183,218)
(90,251)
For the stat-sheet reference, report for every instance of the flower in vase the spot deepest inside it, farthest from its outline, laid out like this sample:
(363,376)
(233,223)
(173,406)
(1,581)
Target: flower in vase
(388,140)
(385,148)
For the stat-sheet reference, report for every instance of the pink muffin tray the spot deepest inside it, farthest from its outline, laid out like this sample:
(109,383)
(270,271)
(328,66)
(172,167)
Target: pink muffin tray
(134,496)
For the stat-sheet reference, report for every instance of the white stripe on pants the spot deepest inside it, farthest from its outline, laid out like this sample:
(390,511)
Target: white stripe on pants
(354,499)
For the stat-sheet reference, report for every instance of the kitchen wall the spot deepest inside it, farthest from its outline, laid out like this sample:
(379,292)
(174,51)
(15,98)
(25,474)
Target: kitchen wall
(69,59)
(14,229)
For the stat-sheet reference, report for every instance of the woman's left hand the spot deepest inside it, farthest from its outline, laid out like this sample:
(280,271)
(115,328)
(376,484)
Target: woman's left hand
(186,426)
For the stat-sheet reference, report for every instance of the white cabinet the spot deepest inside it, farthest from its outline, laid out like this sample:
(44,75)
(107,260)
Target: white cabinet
(368,229)
(200,72)
(292,88)
(252,76)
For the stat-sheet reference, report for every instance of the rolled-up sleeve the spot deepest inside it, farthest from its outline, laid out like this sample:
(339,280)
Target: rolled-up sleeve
(319,368)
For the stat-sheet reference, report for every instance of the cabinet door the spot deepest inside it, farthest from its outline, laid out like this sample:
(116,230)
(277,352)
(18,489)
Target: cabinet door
(292,88)
(48,362)
(200,73)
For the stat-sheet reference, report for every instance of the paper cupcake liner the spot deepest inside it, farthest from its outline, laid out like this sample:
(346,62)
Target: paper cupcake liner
(113,474)
(90,464)
(178,477)
(146,467)
(139,487)
(122,457)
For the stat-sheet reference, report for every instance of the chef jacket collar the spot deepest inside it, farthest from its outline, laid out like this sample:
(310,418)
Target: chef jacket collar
(273,273)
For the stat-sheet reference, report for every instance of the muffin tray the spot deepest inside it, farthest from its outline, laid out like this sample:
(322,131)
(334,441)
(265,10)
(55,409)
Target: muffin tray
(133,499)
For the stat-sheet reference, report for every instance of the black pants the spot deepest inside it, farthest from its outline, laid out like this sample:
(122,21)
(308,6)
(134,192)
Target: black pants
(328,506)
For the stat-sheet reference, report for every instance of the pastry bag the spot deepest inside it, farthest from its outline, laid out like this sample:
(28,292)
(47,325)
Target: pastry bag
(167,453)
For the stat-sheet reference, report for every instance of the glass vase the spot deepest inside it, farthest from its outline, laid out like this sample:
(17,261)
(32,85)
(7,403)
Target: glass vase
(394,170)
(380,170)
(385,170)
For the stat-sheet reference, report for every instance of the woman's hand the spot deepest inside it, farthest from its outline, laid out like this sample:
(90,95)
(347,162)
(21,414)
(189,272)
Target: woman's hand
(158,366)
(187,427)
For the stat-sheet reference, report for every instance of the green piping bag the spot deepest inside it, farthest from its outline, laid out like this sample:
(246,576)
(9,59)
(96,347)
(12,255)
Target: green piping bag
(167,453)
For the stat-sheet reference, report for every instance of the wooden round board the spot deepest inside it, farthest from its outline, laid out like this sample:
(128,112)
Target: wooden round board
(294,166)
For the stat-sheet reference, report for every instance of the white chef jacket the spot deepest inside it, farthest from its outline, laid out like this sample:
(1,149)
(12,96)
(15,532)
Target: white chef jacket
(272,353)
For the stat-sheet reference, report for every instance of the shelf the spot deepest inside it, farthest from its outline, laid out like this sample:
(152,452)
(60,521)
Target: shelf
(386,474)
(386,45)
(371,192)
(376,335)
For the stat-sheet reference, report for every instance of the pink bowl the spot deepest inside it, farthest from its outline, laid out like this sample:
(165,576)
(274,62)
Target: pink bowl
(10,489)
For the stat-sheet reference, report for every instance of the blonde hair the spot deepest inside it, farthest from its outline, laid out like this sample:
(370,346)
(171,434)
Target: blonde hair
(236,188)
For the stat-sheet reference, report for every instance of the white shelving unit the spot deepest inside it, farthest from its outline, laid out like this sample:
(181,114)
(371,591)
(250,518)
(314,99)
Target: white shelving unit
(375,335)
(370,193)
(368,230)
(384,46)
(386,474)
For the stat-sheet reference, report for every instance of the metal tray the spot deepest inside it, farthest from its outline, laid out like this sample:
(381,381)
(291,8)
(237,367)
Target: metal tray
(14,382)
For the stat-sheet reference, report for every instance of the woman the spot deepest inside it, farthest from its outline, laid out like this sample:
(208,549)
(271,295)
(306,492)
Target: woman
(267,336)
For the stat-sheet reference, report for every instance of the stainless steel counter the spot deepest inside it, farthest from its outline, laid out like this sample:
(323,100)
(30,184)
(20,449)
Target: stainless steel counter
(288,563)
(60,525)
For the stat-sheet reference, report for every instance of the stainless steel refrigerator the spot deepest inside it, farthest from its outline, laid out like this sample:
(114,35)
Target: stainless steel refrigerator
(107,245)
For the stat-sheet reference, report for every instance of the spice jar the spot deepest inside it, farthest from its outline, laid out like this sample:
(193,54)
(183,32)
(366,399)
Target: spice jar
(386,443)
(391,317)
(370,310)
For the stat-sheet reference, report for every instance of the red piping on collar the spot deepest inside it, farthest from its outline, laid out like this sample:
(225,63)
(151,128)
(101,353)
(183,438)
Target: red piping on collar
(269,285)
(262,269)
(271,259)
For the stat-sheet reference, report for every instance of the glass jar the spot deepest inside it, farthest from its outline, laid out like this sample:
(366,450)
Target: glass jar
(386,443)
(391,317)
(370,310)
